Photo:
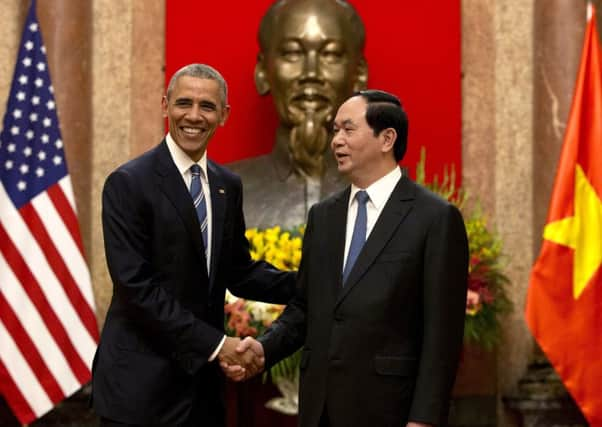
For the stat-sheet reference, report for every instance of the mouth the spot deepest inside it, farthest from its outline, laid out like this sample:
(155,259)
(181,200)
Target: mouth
(339,156)
(191,131)
(311,99)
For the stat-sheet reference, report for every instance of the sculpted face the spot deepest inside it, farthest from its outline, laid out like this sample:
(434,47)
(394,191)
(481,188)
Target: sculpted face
(311,61)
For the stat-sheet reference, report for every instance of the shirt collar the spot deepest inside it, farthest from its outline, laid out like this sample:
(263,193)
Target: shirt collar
(380,190)
(181,159)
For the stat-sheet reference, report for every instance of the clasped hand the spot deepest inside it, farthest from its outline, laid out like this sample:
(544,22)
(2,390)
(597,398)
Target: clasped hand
(241,359)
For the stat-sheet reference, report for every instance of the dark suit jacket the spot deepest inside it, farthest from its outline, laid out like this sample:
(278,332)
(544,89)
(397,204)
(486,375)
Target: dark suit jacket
(382,349)
(167,314)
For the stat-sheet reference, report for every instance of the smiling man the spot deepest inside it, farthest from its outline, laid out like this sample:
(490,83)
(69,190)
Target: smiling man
(174,240)
(311,60)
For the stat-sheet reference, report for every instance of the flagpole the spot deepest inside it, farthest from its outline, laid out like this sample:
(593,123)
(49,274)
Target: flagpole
(590,9)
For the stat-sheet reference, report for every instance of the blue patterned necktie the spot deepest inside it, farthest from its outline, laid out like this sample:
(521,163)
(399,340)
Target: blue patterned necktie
(198,197)
(359,233)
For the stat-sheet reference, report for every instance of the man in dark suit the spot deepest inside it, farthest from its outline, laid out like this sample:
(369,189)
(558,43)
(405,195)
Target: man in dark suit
(381,286)
(174,239)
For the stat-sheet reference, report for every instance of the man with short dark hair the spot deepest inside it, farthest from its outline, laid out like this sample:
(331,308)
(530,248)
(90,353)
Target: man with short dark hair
(381,287)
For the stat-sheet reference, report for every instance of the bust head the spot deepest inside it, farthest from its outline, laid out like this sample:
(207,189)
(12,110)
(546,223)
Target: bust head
(311,60)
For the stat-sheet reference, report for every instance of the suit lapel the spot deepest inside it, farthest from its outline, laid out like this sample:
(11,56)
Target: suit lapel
(337,219)
(173,187)
(218,209)
(394,212)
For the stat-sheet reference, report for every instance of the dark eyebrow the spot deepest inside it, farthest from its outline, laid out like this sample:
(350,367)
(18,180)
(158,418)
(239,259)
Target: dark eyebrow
(347,122)
(208,104)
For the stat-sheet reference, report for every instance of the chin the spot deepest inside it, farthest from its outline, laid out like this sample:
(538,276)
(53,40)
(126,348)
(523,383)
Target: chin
(343,169)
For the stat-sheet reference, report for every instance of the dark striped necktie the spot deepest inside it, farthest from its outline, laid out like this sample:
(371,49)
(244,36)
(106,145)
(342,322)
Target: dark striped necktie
(198,197)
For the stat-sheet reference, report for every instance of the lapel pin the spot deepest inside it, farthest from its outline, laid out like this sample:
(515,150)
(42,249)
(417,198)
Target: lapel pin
(221,191)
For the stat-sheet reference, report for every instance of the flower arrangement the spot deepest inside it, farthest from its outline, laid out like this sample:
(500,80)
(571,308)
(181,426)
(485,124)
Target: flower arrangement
(486,300)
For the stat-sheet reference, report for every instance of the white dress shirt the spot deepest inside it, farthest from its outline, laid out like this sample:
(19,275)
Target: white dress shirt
(379,192)
(183,163)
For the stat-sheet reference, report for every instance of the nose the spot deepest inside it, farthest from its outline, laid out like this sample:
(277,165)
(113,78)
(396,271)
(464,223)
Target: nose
(337,140)
(195,113)
(311,66)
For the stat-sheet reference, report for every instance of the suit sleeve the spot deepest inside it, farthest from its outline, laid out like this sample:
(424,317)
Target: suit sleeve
(255,280)
(444,303)
(140,290)
(287,334)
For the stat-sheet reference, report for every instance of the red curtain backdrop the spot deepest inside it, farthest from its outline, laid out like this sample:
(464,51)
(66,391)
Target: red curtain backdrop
(412,49)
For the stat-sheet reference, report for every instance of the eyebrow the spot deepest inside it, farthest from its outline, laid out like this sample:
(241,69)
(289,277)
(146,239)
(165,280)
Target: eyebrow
(203,102)
(346,122)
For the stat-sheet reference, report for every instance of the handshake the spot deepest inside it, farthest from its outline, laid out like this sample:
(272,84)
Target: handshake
(241,359)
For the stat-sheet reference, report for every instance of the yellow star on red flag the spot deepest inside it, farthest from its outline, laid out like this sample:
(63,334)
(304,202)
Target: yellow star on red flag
(564,301)
(581,232)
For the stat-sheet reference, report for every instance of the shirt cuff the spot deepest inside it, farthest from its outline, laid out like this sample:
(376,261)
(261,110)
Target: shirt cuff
(217,349)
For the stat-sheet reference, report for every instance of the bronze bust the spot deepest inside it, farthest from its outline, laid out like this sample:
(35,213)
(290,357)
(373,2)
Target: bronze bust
(311,59)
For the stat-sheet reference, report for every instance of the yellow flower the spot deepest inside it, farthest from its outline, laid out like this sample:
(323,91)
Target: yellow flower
(250,233)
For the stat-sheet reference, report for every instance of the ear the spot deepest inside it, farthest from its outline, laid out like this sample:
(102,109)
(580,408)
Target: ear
(225,115)
(389,136)
(361,80)
(261,80)
(164,104)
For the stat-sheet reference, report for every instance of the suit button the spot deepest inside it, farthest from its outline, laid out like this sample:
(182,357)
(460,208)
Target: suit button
(338,318)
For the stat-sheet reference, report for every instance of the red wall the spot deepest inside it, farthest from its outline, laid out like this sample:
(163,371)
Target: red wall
(412,49)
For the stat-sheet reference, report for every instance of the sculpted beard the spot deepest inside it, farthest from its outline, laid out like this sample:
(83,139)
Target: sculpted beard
(309,141)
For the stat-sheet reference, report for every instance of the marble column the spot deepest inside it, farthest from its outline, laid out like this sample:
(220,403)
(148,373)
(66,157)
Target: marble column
(559,27)
(497,98)
(67,30)
(128,63)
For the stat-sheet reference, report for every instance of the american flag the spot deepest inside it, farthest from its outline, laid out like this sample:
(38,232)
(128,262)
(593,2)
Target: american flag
(48,329)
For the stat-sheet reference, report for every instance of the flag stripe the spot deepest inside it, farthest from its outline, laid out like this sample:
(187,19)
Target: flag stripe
(68,249)
(67,188)
(37,297)
(32,322)
(67,213)
(14,398)
(57,264)
(42,277)
(28,350)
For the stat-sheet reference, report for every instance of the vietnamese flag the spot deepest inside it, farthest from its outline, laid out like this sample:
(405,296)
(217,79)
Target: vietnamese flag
(564,302)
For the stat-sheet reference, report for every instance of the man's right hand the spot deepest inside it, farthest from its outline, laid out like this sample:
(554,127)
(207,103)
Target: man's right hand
(241,360)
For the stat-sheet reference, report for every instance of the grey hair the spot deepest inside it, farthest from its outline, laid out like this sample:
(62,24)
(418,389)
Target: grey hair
(202,71)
